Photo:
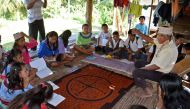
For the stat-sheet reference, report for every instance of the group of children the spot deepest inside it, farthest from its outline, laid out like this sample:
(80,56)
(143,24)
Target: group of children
(17,73)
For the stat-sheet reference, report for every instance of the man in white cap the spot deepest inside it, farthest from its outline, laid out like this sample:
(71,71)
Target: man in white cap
(162,62)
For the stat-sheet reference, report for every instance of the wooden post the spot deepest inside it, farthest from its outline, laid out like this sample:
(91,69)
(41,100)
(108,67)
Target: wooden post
(150,18)
(89,7)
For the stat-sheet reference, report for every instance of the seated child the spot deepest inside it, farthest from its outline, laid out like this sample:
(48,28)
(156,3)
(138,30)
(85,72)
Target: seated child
(15,55)
(134,47)
(179,43)
(16,83)
(51,47)
(83,41)
(35,98)
(184,64)
(103,39)
(116,46)
(64,38)
(24,46)
(172,94)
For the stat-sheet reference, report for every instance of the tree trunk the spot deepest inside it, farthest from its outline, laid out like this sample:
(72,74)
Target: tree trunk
(89,7)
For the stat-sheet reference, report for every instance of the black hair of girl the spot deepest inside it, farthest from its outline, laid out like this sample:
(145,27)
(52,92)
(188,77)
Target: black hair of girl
(33,98)
(52,34)
(175,97)
(14,80)
(65,37)
(11,54)
(137,107)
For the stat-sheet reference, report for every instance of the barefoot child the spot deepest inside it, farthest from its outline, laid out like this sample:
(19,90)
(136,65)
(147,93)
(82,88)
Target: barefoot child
(83,41)
(103,39)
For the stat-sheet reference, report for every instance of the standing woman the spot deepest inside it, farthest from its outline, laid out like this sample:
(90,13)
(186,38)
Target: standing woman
(35,18)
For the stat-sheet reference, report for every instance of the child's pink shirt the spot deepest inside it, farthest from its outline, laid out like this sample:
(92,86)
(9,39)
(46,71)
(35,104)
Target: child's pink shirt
(32,43)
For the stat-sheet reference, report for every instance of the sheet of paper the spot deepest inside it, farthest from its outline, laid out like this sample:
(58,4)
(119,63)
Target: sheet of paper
(38,64)
(44,72)
(56,99)
(53,85)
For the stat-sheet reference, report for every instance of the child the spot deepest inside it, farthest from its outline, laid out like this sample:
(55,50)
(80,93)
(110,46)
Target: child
(64,38)
(116,46)
(142,26)
(134,47)
(171,93)
(16,83)
(103,39)
(179,43)
(52,48)
(49,47)
(15,55)
(83,41)
(24,46)
(35,98)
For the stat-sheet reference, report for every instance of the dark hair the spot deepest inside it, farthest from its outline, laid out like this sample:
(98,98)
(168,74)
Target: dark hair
(14,80)
(178,36)
(187,46)
(143,17)
(175,97)
(137,107)
(130,31)
(85,25)
(65,37)
(33,98)
(11,54)
(104,25)
(52,34)
(115,33)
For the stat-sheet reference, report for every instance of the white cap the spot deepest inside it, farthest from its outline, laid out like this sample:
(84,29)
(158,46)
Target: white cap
(165,30)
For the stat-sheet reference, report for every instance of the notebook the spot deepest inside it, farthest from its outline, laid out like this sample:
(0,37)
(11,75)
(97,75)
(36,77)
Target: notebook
(43,70)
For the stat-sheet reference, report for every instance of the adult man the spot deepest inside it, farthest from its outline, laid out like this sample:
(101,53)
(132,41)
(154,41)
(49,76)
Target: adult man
(35,18)
(162,62)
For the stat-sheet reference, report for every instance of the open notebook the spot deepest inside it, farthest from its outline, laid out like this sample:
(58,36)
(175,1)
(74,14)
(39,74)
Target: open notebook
(43,70)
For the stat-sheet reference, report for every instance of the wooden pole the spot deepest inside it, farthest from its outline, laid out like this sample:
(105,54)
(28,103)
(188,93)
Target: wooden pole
(89,7)
(150,17)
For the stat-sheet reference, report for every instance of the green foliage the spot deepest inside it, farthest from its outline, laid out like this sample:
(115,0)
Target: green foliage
(105,11)
(11,8)
(102,10)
